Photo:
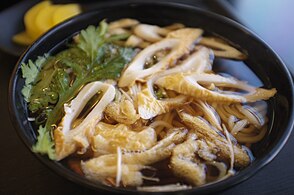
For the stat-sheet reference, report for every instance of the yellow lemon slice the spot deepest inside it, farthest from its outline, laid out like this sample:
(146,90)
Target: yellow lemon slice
(30,18)
(65,12)
(22,38)
(44,19)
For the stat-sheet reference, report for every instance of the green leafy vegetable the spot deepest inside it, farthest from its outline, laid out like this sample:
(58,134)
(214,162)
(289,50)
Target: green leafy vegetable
(29,73)
(94,57)
(41,94)
(45,145)
(111,64)
(118,37)
(91,39)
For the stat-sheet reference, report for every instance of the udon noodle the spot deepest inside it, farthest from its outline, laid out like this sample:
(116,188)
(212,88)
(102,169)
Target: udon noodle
(167,107)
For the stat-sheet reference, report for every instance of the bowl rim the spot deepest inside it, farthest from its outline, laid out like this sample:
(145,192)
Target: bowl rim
(211,187)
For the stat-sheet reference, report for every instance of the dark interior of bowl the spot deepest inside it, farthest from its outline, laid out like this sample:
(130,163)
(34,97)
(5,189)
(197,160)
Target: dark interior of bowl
(261,60)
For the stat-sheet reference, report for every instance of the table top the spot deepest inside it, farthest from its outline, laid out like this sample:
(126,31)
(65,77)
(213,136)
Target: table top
(22,173)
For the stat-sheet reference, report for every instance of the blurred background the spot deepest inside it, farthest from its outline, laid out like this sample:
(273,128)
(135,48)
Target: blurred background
(272,20)
(22,173)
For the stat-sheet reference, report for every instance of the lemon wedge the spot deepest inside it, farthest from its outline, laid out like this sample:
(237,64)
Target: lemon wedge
(22,38)
(41,18)
(30,18)
(65,12)
(44,19)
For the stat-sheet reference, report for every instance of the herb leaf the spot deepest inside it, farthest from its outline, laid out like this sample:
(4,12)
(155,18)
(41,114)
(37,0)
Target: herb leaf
(29,73)
(44,145)
(91,39)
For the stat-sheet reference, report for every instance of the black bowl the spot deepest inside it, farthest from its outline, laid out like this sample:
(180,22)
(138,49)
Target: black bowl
(261,60)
